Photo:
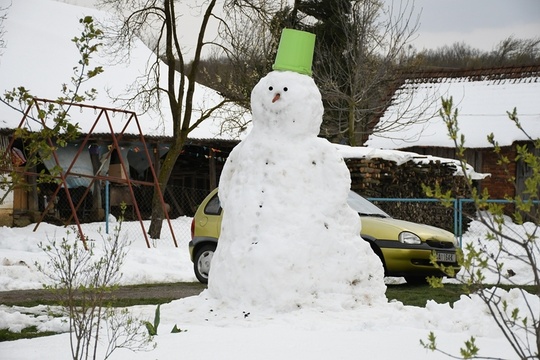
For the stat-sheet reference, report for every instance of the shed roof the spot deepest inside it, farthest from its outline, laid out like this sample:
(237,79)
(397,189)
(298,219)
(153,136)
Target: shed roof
(482,97)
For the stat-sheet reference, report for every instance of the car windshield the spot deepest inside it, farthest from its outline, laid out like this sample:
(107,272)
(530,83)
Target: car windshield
(363,207)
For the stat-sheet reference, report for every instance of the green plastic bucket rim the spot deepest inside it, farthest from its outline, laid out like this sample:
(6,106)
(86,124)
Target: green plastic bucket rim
(295,51)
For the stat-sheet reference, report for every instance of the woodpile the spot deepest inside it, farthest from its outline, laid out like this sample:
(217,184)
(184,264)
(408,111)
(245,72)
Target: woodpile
(379,178)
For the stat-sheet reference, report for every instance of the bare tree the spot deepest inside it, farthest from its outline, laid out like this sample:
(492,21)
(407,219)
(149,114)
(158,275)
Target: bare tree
(360,47)
(250,37)
(356,76)
(517,51)
(509,52)
(139,19)
(3,17)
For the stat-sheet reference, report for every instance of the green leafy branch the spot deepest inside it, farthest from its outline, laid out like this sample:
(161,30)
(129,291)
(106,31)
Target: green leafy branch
(520,326)
(49,125)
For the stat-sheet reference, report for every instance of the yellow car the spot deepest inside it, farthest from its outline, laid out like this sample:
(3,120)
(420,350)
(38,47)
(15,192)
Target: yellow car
(404,247)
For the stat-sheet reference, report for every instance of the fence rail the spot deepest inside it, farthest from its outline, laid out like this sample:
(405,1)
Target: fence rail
(463,213)
(183,202)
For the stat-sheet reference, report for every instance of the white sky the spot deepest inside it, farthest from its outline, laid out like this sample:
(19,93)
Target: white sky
(479,23)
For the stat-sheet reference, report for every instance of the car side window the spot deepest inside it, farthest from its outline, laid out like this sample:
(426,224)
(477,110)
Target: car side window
(213,207)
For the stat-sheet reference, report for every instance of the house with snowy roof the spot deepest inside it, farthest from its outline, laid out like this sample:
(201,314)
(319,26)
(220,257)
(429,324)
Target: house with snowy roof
(483,98)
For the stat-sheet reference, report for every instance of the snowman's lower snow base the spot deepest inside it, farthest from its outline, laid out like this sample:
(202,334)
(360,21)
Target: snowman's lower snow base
(270,276)
(289,240)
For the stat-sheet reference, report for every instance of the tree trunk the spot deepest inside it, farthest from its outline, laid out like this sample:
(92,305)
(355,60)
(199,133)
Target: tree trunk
(156,221)
(352,124)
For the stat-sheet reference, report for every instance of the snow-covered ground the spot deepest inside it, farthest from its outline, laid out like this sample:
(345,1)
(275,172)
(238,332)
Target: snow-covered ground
(387,331)
(215,330)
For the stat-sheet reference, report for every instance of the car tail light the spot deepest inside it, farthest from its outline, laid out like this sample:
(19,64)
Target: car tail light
(192,228)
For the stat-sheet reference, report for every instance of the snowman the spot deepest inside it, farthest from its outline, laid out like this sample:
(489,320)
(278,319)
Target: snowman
(289,239)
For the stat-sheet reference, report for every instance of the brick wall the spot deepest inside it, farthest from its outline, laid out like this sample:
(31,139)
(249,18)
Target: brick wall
(498,184)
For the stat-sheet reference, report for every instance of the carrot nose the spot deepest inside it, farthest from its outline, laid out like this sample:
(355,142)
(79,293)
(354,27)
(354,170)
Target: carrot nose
(276,98)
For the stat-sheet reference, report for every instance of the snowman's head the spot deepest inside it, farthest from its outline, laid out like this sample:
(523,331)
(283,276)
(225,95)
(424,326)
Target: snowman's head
(287,103)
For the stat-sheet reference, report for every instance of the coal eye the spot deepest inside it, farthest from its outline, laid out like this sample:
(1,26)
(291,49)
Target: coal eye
(285,89)
(270,88)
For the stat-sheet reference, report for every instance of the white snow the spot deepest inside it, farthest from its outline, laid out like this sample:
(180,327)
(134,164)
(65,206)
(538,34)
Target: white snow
(401,157)
(383,331)
(482,109)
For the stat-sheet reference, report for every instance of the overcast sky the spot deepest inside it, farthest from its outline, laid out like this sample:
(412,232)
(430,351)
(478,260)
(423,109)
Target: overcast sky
(479,23)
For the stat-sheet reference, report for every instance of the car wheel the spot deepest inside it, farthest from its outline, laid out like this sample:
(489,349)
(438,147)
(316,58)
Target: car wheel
(201,265)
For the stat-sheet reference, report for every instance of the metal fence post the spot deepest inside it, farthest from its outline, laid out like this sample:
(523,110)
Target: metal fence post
(107,207)
(456,220)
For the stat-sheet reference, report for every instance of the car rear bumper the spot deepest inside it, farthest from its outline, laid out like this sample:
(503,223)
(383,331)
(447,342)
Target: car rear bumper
(197,242)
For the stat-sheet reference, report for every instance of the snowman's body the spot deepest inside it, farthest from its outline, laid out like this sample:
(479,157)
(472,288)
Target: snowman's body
(310,247)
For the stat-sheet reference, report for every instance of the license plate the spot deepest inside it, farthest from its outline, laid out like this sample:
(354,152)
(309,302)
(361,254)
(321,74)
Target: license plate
(446,257)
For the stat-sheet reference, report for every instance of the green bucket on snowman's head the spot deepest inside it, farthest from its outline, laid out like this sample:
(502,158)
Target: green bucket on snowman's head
(295,51)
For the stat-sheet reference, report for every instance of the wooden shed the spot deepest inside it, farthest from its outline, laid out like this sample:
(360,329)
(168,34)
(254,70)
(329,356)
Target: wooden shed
(483,98)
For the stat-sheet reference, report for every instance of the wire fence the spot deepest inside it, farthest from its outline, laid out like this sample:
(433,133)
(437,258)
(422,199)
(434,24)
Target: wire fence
(182,202)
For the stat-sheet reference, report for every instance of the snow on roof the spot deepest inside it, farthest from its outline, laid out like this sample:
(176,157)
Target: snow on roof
(401,157)
(482,103)
(40,56)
